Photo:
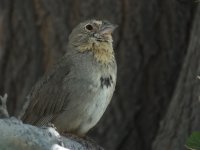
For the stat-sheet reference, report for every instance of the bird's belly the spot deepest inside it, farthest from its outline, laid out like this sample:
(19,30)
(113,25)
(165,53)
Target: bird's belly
(91,103)
(95,109)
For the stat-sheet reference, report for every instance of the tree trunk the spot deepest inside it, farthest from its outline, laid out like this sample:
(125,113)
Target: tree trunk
(150,45)
(183,117)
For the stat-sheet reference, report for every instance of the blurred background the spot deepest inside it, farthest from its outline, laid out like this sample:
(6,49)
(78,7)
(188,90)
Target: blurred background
(156,104)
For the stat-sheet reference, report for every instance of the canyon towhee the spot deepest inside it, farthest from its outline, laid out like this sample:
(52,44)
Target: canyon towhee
(75,93)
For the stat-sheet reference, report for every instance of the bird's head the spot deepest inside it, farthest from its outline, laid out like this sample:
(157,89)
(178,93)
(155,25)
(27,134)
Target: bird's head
(92,32)
(93,35)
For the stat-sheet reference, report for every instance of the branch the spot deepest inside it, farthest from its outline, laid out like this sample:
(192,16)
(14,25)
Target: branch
(18,136)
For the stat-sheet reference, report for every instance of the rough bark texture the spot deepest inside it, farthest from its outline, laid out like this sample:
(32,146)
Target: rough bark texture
(151,43)
(183,117)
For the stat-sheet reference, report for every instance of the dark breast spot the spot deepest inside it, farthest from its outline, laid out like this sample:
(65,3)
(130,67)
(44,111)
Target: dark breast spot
(106,81)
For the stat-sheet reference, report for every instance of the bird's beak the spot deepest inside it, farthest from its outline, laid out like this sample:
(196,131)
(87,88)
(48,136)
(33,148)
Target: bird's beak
(107,29)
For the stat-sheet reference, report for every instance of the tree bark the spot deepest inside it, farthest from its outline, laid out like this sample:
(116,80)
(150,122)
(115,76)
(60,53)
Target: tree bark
(150,45)
(18,136)
(183,117)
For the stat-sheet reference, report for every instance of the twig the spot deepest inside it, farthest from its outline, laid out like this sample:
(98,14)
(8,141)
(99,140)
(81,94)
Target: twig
(3,107)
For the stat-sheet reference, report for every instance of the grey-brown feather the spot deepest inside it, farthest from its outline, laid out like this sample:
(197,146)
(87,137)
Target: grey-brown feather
(75,93)
(70,92)
(47,97)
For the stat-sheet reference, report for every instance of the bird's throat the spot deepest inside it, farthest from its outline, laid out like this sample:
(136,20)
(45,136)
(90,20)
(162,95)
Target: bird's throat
(103,52)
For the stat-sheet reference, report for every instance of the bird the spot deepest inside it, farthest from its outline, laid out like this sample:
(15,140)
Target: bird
(74,94)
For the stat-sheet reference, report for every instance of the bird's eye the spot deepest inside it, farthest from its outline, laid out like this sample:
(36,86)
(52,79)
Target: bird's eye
(89,27)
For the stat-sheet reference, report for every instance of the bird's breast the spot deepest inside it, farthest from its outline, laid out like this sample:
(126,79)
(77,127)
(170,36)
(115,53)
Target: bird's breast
(90,91)
(106,81)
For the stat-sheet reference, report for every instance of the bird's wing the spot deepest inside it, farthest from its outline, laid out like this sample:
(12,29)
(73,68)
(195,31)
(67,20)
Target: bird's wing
(47,98)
